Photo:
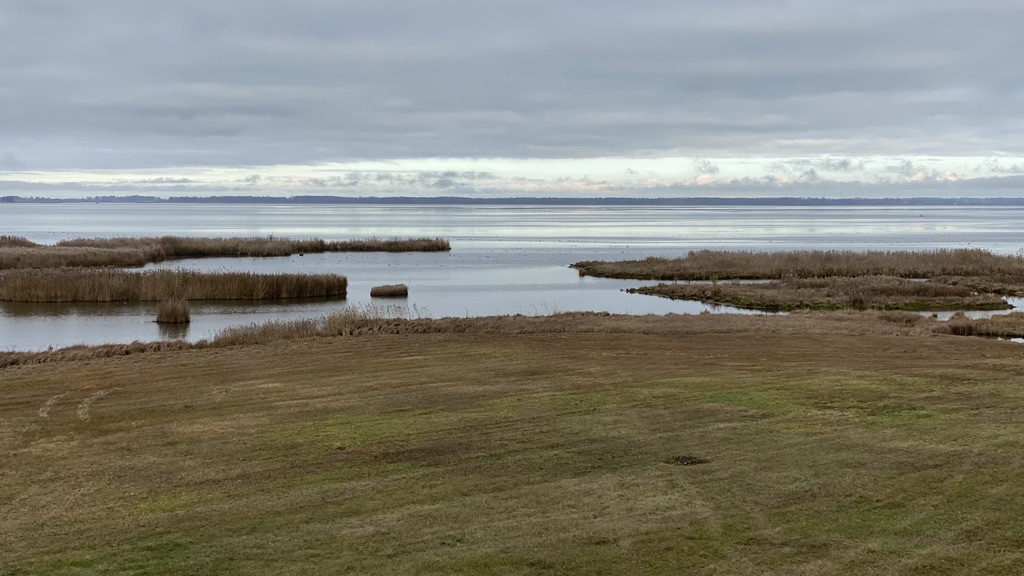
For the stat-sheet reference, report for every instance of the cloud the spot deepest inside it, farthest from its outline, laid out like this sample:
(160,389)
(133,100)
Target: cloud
(112,84)
(609,176)
(10,162)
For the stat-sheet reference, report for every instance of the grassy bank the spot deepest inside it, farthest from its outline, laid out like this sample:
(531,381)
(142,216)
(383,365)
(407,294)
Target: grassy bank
(112,285)
(760,451)
(744,265)
(126,252)
(860,292)
(389,321)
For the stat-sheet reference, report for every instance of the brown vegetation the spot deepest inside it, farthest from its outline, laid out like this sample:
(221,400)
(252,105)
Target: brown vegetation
(173,311)
(18,252)
(7,241)
(740,265)
(112,285)
(388,320)
(860,292)
(1001,326)
(390,291)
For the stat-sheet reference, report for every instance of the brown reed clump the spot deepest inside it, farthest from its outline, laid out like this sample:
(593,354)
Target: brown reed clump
(749,265)
(861,292)
(7,241)
(18,252)
(1001,326)
(113,285)
(390,291)
(173,311)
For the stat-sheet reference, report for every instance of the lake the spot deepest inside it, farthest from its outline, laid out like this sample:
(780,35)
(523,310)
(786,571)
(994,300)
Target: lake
(504,259)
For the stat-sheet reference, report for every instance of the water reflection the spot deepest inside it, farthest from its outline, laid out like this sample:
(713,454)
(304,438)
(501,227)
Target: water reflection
(173,331)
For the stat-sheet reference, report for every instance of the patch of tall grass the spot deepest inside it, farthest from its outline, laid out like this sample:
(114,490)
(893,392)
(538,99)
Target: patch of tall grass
(16,252)
(7,241)
(113,285)
(173,311)
(390,291)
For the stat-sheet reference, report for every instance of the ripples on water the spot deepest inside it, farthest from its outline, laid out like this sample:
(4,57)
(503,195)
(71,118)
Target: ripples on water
(504,260)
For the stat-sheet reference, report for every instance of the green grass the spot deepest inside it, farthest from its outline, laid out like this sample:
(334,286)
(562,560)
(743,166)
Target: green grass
(521,454)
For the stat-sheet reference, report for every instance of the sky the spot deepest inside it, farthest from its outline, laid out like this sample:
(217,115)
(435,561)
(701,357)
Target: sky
(647,98)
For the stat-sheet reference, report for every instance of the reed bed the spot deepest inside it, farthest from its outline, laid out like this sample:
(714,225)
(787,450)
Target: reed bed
(390,291)
(7,241)
(1002,326)
(173,311)
(112,285)
(16,252)
(750,265)
(862,292)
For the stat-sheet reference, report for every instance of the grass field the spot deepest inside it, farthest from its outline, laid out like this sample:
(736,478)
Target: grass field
(705,446)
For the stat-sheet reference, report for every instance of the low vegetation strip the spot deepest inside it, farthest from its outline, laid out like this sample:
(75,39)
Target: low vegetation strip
(740,265)
(860,292)
(18,252)
(113,285)
(755,453)
(389,321)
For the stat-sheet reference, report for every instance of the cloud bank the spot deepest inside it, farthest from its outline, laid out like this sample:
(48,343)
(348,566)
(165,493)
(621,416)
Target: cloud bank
(598,177)
(509,95)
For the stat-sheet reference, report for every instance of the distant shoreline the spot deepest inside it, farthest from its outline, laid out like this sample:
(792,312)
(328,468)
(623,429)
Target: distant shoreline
(522,201)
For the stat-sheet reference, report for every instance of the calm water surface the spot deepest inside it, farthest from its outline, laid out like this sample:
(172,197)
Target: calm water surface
(504,259)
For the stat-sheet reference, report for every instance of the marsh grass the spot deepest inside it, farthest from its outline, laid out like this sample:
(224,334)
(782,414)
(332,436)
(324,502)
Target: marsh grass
(860,292)
(7,241)
(173,311)
(1001,326)
(18,252)
(390,291)
(112,285)
(750,265)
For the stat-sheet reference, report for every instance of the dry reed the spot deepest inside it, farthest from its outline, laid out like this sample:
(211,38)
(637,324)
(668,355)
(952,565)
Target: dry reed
(112,285)
(390,291)
(862,292)
(173,311)
(1002,326)
(739,265)
(16,252)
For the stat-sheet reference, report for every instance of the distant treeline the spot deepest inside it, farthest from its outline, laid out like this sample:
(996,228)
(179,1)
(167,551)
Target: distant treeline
(522,201)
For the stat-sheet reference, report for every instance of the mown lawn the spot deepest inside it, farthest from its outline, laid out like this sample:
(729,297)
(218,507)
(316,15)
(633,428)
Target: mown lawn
(520,454)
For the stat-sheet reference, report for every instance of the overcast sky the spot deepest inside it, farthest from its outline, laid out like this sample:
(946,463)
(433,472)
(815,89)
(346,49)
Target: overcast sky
(477,97)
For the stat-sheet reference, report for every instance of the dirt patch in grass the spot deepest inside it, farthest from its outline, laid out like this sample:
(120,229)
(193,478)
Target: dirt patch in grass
(688,460)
